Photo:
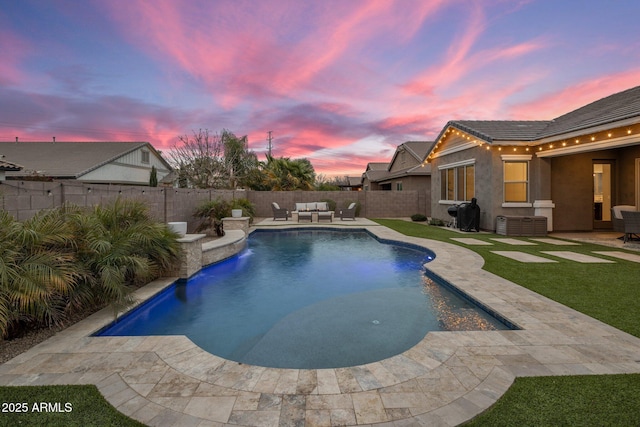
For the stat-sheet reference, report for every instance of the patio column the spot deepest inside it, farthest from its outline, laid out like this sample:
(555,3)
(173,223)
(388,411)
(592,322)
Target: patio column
(545,208)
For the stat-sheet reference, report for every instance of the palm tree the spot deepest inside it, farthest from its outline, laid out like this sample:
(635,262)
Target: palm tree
(284,174)
(37,269)
(122,247)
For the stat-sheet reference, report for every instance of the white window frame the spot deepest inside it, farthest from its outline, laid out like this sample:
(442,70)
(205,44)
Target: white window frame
(517,158)
(455,166)
(145,157)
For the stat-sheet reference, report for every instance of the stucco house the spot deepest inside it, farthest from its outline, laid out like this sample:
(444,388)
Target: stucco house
(373,172)
(407,169)
(89,162)
(7,167)
(572,169)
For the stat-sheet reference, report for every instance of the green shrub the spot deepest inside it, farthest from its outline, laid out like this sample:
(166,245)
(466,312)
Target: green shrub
(211,214)
(331,203)
(418,218)
(248,209)
(69,260)
(436,222)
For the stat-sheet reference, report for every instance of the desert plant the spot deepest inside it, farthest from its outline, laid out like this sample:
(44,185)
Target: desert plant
(121,246)
(37,269)
(211,214)
(418,218)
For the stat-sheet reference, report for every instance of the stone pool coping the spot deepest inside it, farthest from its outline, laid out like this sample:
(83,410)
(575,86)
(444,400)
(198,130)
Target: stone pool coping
(446,379)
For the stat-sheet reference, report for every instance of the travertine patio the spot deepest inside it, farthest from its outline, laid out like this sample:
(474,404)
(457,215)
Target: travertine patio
(446,379)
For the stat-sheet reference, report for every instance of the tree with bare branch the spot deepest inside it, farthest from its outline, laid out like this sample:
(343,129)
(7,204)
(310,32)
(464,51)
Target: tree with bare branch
(207,160)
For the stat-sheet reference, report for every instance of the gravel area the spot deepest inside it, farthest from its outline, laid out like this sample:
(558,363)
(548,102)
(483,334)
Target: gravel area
(11,349)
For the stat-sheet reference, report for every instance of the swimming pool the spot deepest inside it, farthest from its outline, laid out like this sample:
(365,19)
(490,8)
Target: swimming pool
(308,299)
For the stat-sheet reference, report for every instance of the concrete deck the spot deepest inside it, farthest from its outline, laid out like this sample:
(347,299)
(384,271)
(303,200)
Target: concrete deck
(446,379)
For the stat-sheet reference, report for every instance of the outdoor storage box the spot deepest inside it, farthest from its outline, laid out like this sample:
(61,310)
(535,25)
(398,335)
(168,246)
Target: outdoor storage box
(521,225)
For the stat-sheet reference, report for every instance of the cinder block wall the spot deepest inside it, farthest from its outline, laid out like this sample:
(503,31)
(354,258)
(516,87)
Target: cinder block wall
(23,199)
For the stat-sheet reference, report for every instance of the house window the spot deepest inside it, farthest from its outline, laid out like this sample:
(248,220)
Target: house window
(457,181)
(399,186)
(145,156)
(516,179)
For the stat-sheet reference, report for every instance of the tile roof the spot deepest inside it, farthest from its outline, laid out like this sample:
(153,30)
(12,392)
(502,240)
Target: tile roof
(377,166)
(9,166)
(65,159)
(420,148)
(617,107)
(509,130)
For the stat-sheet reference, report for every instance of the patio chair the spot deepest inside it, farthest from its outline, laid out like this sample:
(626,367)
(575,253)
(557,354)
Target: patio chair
(278,212)
(631,225)
(616,216)
(305,215)
(349,213)
(324,212)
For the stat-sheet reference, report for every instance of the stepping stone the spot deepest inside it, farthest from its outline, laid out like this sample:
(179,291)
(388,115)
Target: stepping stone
(516,242)
(556,242)
(472,241)
(619,254)
(522,256)
(574,256)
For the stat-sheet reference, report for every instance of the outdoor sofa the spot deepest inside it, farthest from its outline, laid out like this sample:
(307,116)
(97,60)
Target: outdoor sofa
(309,210)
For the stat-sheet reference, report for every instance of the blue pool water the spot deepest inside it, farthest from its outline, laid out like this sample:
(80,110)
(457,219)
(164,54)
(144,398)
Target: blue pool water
(308,299)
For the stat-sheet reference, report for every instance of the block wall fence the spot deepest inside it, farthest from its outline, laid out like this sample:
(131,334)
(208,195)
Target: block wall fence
(23,199)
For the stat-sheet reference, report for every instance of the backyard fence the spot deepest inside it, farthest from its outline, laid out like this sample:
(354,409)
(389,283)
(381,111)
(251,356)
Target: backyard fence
(23,199)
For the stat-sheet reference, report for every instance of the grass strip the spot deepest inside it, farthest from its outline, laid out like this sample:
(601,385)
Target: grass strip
(59,405)
(602,400)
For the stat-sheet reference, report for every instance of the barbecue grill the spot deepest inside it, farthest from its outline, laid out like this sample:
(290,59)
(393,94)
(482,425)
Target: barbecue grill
(453,212)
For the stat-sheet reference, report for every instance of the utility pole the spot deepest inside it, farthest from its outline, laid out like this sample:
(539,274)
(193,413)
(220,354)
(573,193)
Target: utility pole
(269,139)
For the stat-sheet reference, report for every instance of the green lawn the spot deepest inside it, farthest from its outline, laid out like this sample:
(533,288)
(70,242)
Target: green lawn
(68,405)
(585,400)
(608,292)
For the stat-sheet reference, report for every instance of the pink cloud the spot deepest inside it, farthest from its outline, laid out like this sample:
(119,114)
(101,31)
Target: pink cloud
(14,50)
(271,49)
(557,103)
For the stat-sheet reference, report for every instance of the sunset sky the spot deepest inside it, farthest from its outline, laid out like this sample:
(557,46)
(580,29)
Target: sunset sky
(341,83)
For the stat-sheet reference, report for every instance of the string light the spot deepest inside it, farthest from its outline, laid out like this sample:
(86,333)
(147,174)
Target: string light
(591,138)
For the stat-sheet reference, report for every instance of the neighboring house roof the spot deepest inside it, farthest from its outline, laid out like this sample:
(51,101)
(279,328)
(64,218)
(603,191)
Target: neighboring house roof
(421,169)
(68,160)
(375,175)
(9,166)
(417,149)
(618,107)
(377,166)
(354,181)
(375,171)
